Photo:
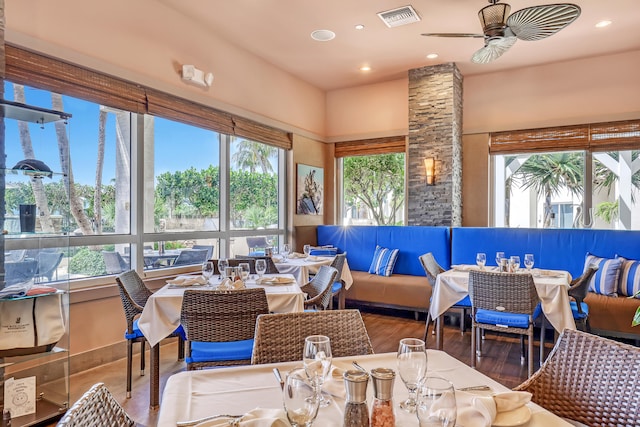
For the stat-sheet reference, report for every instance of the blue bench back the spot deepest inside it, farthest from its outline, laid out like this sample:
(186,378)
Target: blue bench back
(412,241)
(561,249)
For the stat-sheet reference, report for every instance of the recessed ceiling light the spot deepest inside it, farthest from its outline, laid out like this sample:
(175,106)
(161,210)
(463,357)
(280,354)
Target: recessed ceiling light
(365,68)
(323,35)
(432,56)
(603,24)
(359,27)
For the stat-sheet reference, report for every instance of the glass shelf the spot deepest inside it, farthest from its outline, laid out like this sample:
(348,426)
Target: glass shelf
(29,113)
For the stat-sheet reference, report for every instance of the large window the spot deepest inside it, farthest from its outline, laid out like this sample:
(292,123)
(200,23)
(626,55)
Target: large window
(596,187)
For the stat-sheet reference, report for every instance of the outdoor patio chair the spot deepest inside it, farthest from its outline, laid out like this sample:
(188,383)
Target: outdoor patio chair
(208,248)
(114,263)
(191,256)
(96,408)
(280,337)
(48,263)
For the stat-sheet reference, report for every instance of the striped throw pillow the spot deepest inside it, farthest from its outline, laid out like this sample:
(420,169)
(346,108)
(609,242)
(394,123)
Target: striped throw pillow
(605,280)
(383,261)
(629,283)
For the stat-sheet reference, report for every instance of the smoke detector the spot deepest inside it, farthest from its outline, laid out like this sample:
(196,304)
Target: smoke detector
(401,16)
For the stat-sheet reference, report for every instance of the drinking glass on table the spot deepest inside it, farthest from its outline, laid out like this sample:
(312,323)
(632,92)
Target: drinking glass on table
(499,256)
(286,250)
(208,270)
(317,358)
(245,270)
(307,250)
(223,263)
(528,261)
(298,398)
(436,403)
(261,267)
(481,260)
(412,367)
(514,261)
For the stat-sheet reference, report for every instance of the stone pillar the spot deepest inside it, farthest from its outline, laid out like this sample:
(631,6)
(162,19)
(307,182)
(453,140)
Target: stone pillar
(435,130)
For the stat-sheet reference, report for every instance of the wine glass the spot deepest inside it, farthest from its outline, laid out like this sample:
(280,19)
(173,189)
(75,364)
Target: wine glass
(298,398)
(245,270)
(208,270)
(436,403)
(514,261)
(223,263)
(412,367)
(481,260)
(286,250)
(499,256)
(528,261)
(261,267)
(317,363)
(307,250)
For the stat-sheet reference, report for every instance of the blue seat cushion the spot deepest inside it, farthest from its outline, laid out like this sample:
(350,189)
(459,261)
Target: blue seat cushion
(324,252)
(512,320)
(137,333)
(180,332)
(576,314)
(220,351)
(336,287)
(464,302)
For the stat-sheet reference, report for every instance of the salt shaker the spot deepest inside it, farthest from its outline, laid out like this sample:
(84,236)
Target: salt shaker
(356,412)
(382,410)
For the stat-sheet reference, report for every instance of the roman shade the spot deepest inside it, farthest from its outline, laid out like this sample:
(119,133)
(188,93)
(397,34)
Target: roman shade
(367,147)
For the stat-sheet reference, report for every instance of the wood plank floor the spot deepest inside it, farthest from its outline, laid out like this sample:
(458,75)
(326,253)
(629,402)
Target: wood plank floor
(501,360)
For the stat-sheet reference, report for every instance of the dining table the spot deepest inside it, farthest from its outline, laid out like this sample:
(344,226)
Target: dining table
(161,314)
(552,287)
(193,395)
(301,267)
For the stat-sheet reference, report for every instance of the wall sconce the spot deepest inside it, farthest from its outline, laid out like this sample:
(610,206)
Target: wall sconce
(430,170)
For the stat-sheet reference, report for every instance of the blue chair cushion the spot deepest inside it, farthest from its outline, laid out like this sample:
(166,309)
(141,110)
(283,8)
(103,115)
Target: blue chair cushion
(512,320)
(220,351)
(605,280)
(383,261)
(180,332)
(464,302)
(324,252)
(137,333)
(336,287)
(576,314)
(629,283)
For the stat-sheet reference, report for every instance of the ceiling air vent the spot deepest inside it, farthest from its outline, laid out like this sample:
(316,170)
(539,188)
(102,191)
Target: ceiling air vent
(400,16)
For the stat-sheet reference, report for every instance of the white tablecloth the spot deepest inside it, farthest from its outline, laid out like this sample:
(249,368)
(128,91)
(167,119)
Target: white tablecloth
(301,267)
(552,286)
(161,314)
(195,394)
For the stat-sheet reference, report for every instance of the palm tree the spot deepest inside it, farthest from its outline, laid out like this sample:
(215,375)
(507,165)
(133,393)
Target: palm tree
(253,155)
(548,174)
(97,193)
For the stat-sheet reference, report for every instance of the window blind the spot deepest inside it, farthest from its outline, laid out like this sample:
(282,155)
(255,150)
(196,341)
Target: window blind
(367,147)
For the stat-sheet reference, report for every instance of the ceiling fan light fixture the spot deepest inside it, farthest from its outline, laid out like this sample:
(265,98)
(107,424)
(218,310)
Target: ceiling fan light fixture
(494,17)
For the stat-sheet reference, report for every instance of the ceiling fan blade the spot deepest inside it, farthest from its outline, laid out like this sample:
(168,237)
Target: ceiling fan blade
(453,35)
(493,50)
(539,22)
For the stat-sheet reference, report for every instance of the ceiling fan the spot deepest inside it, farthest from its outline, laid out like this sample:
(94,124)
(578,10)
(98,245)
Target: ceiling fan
(501,30)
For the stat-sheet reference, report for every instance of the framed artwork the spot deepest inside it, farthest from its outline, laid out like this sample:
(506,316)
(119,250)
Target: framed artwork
(310,190)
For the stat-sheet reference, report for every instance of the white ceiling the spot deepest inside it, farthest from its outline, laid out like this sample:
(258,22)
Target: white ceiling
(279,32)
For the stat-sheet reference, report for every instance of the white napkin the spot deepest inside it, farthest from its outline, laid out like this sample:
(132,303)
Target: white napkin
(228,285)
(296,255)
(465,267)
(181,281)
(481,411)
(259,417)
(334,384)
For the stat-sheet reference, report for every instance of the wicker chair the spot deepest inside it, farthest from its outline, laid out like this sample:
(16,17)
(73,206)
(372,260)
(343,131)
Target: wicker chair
(220,325)
(338,285)
(271,266)
(280,337)
(134,295)
(234,262)
(318,289)
(504,302)
(431,270)
(96,408)
(589,379)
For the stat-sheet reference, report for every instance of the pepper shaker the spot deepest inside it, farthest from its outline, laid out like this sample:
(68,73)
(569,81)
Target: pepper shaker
(356,412)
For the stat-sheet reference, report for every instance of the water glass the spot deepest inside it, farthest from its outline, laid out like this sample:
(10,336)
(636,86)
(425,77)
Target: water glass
(499,256)
(207,270)
(436,403)
(528,261)
(514,262)
(261,267)
(298,398)
(223,263)
(307,250)
(245,270)
(286,250)
(412,367)
(317,358)
(481,260)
